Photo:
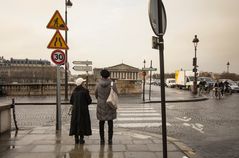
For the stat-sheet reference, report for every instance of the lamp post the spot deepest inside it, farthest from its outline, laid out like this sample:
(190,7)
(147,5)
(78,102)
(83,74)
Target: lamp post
(195,42)
(150,79)
(68,3)
(228,64)
(144,74)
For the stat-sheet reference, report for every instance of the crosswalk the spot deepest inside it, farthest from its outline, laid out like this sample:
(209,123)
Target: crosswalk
(138,115)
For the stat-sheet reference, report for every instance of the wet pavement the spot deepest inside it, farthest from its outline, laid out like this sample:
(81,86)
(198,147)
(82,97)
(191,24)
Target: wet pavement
(37,136)
(45,142)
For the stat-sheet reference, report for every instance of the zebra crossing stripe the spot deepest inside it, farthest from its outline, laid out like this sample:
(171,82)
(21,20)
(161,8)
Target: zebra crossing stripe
(139,119)
(140,114)
(134,125)
(136,111)
(138,108)
(145,115)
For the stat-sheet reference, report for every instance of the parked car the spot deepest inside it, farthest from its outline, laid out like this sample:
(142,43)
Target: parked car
(232,84)
(156,82)
(237,82)
(170,82)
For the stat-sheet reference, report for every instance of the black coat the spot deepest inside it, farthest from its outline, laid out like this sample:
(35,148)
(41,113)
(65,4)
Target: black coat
(80,118)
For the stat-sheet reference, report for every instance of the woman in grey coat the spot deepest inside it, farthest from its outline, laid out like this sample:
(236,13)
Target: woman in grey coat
(104,111)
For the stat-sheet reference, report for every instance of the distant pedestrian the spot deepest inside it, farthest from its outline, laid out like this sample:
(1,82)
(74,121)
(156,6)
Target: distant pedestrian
(226,84)
(104,111)
(202,87)
(221,85)
(80,118)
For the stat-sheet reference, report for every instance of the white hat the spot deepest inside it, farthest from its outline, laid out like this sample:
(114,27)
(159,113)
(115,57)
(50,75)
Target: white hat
(79,81)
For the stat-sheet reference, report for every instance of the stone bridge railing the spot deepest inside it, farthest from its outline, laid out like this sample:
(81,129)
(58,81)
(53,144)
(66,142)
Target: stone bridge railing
(48,89)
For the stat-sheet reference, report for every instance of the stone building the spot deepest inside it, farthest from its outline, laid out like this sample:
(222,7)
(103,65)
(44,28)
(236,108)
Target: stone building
(127,78)
(27,71)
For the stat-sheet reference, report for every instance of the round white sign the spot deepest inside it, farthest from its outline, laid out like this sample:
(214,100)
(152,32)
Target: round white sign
(58,57)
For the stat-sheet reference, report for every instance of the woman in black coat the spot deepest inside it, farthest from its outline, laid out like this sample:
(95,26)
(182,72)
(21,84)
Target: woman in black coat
(80,118)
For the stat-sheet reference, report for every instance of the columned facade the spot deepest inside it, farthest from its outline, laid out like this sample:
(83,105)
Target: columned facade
(126,77)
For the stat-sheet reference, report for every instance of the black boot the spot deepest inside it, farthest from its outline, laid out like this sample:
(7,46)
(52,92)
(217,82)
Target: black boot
(110,132)
(82,141)
(102,135)
(76,139)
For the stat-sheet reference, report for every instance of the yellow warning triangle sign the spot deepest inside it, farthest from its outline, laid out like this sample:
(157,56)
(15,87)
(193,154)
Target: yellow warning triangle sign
(57,42)
(57,22)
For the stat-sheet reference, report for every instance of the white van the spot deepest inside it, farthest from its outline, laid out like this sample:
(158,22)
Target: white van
(170,82)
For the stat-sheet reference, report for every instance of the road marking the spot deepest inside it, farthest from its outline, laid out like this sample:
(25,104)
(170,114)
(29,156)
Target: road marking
(197,126)
(140,114)
(200,129)
(133,125)
(187,124)
(138,108)
(137,111)
(139,119)
(185,119)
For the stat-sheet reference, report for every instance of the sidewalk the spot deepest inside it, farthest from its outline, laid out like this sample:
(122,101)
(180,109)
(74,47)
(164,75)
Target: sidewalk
(44,142)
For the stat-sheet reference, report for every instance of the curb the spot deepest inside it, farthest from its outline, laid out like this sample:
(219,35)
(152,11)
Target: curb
(179,101)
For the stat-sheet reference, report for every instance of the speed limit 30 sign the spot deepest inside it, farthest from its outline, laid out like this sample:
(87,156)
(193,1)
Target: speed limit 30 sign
(58,57)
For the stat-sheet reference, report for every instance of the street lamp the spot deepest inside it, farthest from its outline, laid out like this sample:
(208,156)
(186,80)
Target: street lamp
(68,3)
(144,74)
(228,64)
(195,42)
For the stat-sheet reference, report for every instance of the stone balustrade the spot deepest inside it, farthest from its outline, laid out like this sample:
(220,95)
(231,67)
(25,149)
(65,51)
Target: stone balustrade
(5,118)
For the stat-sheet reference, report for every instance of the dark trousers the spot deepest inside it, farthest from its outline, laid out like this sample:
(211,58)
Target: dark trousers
(77,137)
(110,130)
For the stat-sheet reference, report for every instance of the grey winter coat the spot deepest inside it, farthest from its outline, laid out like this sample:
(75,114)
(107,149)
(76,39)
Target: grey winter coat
(80,118)
(104,112)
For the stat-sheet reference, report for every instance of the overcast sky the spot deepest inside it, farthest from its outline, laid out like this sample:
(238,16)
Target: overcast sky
(109,32)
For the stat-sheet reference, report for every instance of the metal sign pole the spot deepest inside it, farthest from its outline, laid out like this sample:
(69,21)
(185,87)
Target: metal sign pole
(58,100)
(87,77)
(144,74)
(161,59)
(158,21)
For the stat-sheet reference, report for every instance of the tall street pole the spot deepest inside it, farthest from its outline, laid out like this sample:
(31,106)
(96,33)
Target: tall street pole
(195,42)
(144,74)
(66,61)
(58,101)
(68,3)
(150,79)
(161,59)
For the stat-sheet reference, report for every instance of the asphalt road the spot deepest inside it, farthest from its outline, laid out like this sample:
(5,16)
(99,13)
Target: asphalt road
(209,127)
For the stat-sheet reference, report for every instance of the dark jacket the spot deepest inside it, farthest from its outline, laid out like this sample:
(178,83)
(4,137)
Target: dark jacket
(102,91)
(80,118)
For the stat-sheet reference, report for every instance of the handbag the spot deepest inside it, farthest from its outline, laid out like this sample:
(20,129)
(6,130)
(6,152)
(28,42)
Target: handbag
(112,99)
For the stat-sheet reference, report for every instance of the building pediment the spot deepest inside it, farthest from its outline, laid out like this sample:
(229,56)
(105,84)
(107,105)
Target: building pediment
(123,67)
